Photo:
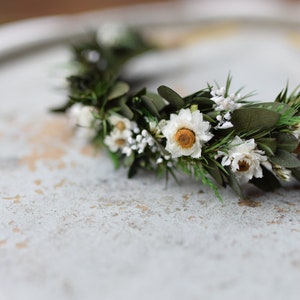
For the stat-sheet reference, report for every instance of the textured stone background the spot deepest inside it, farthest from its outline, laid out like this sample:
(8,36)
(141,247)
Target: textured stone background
(73,228)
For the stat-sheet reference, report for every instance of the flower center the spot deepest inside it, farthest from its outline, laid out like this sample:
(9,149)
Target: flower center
(185,138)
(120,142)
(121,126)
(243,166)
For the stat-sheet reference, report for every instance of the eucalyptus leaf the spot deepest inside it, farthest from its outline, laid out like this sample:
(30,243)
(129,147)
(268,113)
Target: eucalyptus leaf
(274,106)
(285,159)
(215,172)
(269,145)
(171,96)
(287,141)
(203,103)
(125,110)
(119,89)
(150,106)
(252,118)
(296,173)
(157,100)
(233,183)
(268,182)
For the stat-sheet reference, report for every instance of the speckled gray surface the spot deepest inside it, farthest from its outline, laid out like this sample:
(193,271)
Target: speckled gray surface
(73,228)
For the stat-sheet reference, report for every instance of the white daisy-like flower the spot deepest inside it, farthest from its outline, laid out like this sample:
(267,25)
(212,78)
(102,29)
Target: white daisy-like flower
(244,159)
(117,140)
(225,103)
(186,133)
(81,115)
(121,123)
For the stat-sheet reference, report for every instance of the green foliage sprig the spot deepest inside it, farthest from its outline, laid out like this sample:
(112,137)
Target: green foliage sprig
(219,138)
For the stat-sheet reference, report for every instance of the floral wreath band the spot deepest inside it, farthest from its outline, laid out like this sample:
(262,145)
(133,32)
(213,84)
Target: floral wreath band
(215,136)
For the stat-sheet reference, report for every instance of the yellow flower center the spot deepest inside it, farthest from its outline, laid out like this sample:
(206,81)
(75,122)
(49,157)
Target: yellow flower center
(120,142)
(121,126)
(185,138)
(243,166)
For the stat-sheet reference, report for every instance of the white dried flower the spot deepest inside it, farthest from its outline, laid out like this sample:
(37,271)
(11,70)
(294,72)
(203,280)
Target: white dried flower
(224,121)
(281,172)
(117,140)
(225,103)
(121,123)
(139,143)
(244,159)
(81,115)
(186,133)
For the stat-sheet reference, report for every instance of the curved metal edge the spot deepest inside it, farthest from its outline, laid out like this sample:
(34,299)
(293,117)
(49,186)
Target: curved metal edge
(22,36)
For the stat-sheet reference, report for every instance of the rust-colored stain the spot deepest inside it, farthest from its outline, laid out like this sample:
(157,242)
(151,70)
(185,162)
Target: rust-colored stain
(21,245)
(38,182)
(60,184)
(89,150)
(47,142)
(249,203)
(52,153)
(56,129)
(185,197)
(16,230)
(280,209)
(142,208)
(39,192)
(2,243)
(15,199)
(277,220)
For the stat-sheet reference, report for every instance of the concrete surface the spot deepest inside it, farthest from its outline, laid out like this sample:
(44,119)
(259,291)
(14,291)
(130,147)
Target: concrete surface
(73,228)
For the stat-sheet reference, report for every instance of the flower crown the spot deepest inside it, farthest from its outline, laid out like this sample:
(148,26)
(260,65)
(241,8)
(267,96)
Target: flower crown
(215,136)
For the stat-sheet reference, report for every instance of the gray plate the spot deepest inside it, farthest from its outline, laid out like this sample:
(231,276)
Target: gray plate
(73,228)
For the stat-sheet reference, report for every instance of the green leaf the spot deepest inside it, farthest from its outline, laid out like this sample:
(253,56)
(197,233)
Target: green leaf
(101,88)
(285,159)
(157,100)
(119,89)
(150,106)
(296,173)
(149,102)
(171,96)
(233,183)
(274,106)
(268,182)
(269,145)
(252,118)
(215,172)
(287,141)
(203,103)
(125,110)
(115,158)
(63,108)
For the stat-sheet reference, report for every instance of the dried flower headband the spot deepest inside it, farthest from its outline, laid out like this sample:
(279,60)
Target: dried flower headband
(212,135)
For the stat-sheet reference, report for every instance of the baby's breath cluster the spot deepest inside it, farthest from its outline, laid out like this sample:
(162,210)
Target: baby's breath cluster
(213,135)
